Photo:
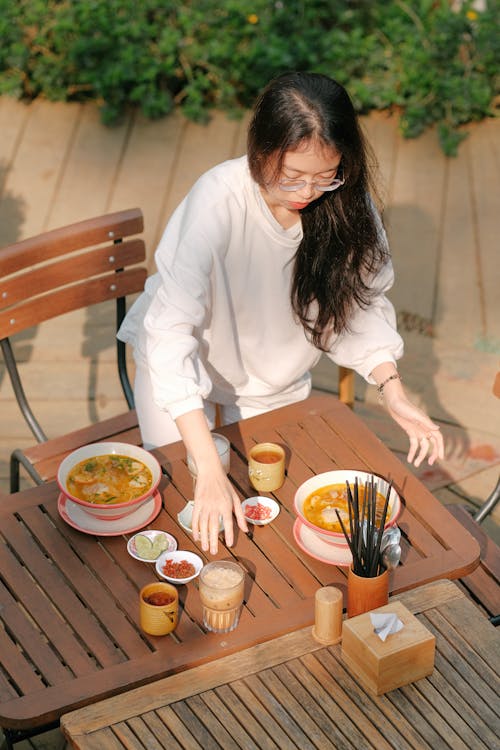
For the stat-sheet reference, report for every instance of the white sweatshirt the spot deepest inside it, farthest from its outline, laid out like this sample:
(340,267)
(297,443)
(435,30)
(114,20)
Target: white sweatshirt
(216,321)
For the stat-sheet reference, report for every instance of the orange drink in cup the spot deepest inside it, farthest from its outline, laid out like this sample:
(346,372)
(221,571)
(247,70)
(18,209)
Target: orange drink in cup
(158,608)
(266,466)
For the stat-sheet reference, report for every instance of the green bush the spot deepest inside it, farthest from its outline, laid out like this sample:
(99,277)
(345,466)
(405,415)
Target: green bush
(435,65)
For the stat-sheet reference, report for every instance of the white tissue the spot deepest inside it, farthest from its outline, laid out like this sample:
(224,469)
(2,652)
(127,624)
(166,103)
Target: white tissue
(384,625)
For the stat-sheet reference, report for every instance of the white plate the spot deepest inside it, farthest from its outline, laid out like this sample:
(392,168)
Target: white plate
(310,543)
(80,520)
(151,534)
(267,502)
(178,556)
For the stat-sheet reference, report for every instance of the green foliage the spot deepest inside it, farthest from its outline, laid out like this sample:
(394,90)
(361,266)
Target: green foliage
(435,65)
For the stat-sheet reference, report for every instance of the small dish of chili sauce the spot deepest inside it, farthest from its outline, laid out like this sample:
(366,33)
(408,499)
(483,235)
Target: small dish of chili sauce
(179,566)
(260,510)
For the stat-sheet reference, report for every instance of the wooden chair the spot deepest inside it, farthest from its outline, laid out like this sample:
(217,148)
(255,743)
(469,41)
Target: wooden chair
(483,584)
(56,272)
(346,386)
(492,501)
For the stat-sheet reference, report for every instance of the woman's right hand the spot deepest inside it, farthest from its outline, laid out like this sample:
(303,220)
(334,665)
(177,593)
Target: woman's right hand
(215,498)
(214,495)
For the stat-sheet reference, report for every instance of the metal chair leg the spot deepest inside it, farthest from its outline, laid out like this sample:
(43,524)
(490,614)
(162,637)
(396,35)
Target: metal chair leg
(488,505)
(14,473)
(18,458)
(13,736)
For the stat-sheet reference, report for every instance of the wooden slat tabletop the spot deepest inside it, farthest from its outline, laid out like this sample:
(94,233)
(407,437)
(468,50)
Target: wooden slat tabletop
(292,692)
(69,601)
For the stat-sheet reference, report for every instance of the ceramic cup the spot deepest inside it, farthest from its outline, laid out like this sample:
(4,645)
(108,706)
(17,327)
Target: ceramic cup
(158,608)
(221,586)
(266,466)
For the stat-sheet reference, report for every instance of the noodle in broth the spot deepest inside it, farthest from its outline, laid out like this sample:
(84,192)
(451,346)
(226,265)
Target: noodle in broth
(109,479)
(319,506)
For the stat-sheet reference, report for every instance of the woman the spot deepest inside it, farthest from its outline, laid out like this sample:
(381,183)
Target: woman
(271,259)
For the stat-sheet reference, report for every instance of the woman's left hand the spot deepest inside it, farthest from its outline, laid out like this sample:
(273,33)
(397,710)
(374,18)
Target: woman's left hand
(425,436)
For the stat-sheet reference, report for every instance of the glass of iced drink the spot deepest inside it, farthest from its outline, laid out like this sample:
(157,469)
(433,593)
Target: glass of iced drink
(223,449)
(221,585)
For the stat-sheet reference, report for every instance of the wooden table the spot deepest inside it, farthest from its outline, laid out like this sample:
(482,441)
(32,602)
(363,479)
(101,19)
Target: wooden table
(69,630)
(293,693)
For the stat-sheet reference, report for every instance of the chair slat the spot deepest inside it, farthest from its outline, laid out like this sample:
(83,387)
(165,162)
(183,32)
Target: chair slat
(106,429)
(39,280)
(73,237)
(82,294)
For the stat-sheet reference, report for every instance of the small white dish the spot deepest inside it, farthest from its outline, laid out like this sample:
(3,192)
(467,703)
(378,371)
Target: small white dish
(185,518)
(153,535)
(262,510)
(178,556)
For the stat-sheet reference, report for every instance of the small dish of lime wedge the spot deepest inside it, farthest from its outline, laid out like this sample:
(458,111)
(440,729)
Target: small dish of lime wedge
(148,545)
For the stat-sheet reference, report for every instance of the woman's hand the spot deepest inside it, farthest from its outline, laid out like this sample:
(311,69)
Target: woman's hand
(214,495)
(215,498)
(425,436)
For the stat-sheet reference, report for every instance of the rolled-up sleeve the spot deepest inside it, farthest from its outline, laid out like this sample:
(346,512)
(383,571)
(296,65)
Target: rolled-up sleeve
(177,311)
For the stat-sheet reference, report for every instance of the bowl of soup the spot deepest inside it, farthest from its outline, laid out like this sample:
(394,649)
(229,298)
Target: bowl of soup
(318,498)
(109,480)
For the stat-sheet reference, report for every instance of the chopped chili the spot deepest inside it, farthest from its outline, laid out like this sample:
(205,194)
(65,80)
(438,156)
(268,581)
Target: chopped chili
(181,569)
(258,512)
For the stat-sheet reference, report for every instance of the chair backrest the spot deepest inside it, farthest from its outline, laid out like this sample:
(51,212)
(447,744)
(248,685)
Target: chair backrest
(66,269)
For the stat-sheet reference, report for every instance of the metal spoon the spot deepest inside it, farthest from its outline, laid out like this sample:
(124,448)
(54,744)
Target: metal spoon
(391,536)
(391,556)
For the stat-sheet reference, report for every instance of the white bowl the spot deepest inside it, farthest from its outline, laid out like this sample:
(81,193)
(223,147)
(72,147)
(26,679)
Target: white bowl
(341,477)
(178,556)
(268,503)
(152,535)
(185,518)
(116,510)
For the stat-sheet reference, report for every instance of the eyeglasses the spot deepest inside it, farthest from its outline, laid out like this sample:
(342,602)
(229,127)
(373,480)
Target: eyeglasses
(323,186)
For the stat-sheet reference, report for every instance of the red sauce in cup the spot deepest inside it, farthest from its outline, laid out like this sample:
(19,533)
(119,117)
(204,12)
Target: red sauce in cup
(159,598)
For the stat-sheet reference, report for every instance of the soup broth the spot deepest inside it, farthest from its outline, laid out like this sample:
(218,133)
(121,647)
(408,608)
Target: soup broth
(319,506)
(109,479)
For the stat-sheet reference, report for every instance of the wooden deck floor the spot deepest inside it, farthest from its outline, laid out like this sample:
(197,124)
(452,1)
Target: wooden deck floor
(58,164)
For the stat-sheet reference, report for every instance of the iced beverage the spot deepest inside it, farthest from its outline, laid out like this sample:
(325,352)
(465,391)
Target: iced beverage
(221,592)
(223,449)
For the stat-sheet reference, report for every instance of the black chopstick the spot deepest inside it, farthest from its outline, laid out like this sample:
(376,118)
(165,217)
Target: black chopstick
(376,564)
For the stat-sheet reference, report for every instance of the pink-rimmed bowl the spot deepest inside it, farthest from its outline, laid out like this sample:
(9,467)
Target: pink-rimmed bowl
(114,511)
(342,476)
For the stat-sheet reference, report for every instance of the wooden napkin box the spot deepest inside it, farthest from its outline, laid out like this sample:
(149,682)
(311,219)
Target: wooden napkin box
(402,658)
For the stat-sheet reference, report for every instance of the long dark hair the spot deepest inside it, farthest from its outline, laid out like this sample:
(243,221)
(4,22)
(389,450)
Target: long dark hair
(342,244)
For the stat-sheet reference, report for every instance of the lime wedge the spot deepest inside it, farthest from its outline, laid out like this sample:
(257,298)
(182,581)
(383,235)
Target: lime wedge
(159,545)
(144,547)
